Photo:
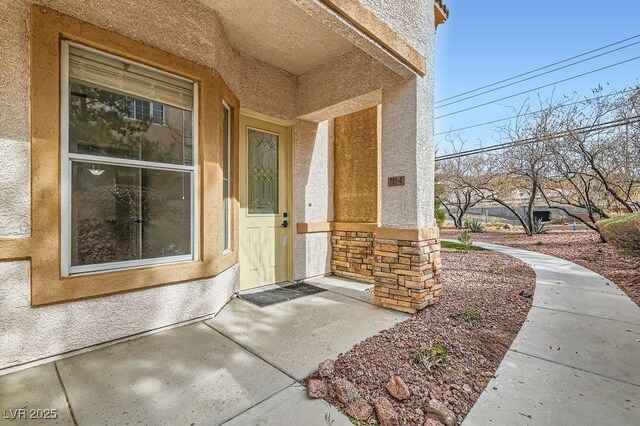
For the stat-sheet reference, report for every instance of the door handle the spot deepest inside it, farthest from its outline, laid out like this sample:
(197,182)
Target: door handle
(285,224)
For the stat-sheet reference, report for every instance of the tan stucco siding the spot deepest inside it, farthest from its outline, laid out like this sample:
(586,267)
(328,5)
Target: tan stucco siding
(356,167)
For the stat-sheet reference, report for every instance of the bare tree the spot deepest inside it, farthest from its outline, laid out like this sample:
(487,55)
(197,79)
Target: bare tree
(595,162)
(459,179)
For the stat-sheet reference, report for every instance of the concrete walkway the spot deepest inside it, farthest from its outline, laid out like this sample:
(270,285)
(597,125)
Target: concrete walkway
(576,359)
(239,368)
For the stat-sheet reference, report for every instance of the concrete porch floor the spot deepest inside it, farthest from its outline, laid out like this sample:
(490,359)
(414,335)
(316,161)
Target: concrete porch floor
(240,367)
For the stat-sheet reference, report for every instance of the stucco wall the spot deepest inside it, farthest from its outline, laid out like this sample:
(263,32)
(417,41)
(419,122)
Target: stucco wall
(407,17)
(185,28)
(408,123)
(313,195)
(27,334)
(356,167)
(348,84)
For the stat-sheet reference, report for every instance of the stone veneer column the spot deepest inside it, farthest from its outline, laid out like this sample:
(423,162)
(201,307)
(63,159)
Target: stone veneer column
(406,266)
(407,271)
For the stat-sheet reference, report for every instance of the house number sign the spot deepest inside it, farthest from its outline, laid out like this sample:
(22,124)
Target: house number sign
(396,181)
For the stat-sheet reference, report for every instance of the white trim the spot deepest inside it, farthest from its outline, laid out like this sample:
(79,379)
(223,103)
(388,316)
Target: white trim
(227,202)
(125,162)
(195,181)
(65,164)
(66,159)
(128,264)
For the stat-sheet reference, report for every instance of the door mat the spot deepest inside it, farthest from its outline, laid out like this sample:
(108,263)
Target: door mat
(280,294)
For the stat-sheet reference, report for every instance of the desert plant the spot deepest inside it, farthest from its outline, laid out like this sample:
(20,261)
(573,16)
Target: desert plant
(496,270)
(429,355)
(467,222)
(476,226)
(467,314)
(622,232)
(466,239)
(539,227)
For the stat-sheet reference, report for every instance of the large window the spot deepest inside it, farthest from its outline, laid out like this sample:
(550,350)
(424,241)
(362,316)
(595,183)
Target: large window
(226,174)
(129,186)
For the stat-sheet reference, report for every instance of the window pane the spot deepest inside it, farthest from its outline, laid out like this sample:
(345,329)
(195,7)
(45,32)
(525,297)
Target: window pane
(158,113)
(126,213)
(263,172)
(226,151)
(100,123)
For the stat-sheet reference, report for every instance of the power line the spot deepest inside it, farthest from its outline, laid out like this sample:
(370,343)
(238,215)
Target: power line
(536,76)
(539,87)
(587,129)
(539,69)
(622,92)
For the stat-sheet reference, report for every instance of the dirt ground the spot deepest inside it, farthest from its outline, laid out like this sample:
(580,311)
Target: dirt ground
(488,282)
(583,247)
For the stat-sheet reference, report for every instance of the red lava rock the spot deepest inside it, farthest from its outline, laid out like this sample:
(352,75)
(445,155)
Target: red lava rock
(345,391)
(438,411)
(466,388)
(583,247)
(387,415)
(360,409)
(432,422)
(474,348)
(325,369)
(398,388)
(316,389)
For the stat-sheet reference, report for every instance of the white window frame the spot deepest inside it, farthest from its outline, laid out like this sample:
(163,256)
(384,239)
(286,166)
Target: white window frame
(151,106)
(66,159)
(227,237)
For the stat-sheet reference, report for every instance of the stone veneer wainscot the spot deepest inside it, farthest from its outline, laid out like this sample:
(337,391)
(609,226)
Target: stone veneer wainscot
(352,255)
(406,273)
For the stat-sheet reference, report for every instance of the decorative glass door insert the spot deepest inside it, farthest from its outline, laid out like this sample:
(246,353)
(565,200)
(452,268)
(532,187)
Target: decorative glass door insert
(263,172)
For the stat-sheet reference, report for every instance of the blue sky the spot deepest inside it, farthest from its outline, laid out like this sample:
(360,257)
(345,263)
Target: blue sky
(487,41)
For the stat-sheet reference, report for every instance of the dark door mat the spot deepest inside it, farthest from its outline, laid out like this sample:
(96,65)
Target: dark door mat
(281,294)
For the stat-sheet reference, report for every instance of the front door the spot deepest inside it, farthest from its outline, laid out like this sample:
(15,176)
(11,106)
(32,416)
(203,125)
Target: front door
(264,218)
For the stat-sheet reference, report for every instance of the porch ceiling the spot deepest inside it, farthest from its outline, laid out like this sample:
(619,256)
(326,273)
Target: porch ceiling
(279,33)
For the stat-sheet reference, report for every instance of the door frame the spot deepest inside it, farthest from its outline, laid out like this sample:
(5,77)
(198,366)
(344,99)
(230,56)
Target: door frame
(290,166)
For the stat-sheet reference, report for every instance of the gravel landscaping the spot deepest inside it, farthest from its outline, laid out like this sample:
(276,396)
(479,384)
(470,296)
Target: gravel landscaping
(431,368)
(583,247)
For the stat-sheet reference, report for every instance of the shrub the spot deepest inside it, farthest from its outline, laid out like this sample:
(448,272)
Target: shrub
(539,227)
(476,226)
(429,354)
(496,270)
(466,240)
(467,222)
(622,232)
(441,217)
(467,314)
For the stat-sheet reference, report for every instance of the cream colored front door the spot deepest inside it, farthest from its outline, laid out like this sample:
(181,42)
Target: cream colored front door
(264,214)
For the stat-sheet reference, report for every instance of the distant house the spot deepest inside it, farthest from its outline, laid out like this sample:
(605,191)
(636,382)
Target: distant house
(159,156)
